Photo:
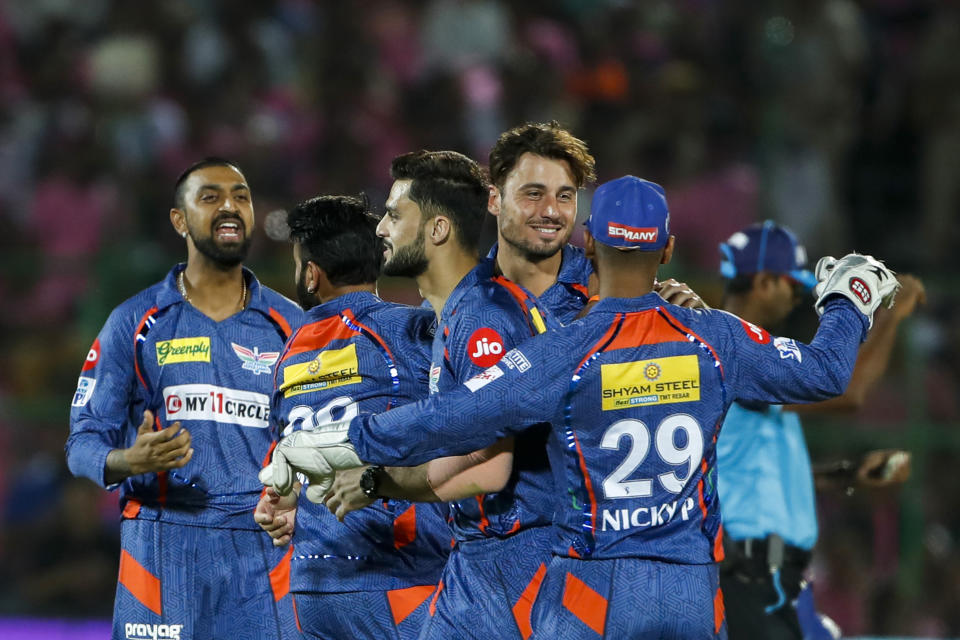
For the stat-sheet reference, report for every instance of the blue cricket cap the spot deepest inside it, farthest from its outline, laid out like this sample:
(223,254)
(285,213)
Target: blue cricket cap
(630,213)
(765,247)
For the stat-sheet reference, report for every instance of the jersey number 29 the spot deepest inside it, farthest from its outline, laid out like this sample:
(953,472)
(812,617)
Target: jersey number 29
(616,484)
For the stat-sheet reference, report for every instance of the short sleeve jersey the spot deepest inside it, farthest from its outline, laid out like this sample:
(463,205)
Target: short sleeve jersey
(354,354)
(635,392)
(767,483)
(484,317)
(158,352)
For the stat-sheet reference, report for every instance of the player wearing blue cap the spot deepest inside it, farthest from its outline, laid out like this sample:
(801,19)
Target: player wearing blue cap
(635,393)
(766,484)
(172,407)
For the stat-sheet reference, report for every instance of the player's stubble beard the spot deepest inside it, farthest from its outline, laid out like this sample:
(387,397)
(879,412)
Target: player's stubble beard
(532,251)
(408,261)
(224,256)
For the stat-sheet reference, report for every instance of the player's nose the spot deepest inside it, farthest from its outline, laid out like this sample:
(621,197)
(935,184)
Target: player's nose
(229,205)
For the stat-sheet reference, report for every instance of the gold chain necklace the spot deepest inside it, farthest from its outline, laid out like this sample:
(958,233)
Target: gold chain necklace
(183,290)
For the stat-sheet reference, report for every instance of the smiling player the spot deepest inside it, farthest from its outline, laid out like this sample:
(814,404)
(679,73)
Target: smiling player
(172,407)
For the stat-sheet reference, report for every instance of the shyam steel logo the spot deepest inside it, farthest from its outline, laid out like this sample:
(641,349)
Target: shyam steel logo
(331,368)
(649,382)
(147,631)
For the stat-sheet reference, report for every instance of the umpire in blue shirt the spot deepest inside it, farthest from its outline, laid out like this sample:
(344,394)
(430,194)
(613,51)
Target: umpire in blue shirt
(765,479)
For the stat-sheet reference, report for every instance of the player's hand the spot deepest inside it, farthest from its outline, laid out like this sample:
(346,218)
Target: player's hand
(346,495)
(679,293)
(884,468)
(911,295)
(162,450)
(277,515)
(317,454)
(862,279)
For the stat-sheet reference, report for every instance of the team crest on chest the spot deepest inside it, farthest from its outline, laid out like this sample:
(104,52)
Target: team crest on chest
(254,360)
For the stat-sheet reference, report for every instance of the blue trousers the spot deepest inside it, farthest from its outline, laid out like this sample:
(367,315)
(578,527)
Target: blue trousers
(629,598)
(181,582)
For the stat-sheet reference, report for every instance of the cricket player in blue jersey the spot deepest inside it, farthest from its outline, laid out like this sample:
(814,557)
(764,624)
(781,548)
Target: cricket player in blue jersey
(537,169)
(172,407)
(635,392)
(431,228)
(372,575)
(766,483)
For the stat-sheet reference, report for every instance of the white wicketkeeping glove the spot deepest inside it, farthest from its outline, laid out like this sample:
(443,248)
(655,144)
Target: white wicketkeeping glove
(862,279)
(316,454)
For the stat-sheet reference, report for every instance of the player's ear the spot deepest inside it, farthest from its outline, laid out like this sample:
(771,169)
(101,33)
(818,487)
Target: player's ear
(440,229)
(316,280)
(668,250)
(494,201)
(589,245)
(179,221)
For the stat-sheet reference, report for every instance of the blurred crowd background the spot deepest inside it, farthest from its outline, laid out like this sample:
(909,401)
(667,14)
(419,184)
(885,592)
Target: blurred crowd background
(838,118)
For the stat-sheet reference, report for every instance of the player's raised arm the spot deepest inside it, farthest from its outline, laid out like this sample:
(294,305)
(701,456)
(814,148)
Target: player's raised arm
(782,370)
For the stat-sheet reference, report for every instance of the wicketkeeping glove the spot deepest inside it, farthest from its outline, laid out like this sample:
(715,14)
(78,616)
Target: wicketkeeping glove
(862,279)
(317,454)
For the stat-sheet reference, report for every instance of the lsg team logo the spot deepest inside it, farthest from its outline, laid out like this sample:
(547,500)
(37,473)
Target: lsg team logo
(861,290)
(254,360)
(143,631)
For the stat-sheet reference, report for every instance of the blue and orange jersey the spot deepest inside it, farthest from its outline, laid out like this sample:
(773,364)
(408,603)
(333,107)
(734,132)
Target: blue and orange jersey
(569,294)
(158,352)
(358,353)
(484,317)
(635,392)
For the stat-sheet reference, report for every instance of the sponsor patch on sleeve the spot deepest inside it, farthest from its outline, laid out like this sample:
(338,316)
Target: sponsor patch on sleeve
(483,378)
(649,382)
(84,391)
(485,347)
(93,356)
(516,359)
(331,368)
(183,350)
(757,334)
(788,349)
(434,378)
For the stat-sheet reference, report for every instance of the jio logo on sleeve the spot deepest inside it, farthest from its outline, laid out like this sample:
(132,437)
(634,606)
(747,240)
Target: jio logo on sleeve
(485,347)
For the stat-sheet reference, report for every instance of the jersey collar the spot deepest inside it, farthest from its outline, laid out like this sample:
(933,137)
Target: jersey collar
(628,305)
(574,266)
(356,301)
(170,295)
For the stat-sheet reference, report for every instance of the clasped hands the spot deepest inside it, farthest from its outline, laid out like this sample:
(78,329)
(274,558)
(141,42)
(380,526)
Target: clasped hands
(317,454)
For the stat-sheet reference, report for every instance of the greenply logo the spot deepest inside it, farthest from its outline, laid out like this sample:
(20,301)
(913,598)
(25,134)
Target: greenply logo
(183,350)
